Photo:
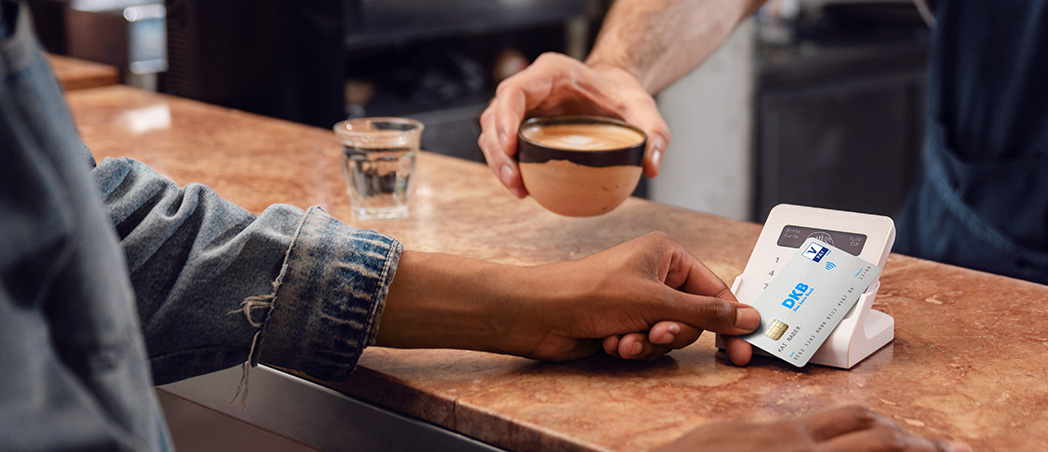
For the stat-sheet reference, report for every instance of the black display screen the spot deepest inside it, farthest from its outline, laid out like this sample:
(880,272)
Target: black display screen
(794,236)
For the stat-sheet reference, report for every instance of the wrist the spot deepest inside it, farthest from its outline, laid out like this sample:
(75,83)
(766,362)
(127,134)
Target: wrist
(617,70)
(611,70)
(444,301)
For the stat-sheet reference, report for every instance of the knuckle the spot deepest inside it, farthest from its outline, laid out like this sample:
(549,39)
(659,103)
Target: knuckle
(662,242)
(550,57)
(664,130)
(659,237)
(570,78)
(503,88)
(720,312)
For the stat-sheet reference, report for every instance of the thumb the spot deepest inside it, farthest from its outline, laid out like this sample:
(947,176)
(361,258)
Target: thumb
(717,314)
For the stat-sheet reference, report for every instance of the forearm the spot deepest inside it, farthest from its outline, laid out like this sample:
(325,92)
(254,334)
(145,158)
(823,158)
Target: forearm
(558,311)
(658,41)
(444,301)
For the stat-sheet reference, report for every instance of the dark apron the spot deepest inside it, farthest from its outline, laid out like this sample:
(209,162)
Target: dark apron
(981,198)
(937,224)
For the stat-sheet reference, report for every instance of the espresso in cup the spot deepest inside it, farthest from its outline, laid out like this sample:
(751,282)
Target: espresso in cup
(580,165)
(583,136)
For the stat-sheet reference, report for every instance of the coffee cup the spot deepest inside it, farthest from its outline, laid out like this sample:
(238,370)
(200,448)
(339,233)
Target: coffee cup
(580,166)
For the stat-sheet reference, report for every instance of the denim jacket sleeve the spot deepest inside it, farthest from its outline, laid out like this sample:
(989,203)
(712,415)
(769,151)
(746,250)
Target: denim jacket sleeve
(217,286)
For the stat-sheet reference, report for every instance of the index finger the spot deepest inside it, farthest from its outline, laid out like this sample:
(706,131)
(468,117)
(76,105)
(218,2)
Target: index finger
(515,96)
(507,112)
(498,154)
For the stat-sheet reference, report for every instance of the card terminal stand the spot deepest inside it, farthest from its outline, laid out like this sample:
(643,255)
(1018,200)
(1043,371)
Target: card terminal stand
(870,237)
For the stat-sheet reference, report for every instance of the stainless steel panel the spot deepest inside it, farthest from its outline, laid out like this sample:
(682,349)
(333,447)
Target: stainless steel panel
(316,416)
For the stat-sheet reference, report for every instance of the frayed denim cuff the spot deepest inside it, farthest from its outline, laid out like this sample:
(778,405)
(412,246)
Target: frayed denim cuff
(328,298)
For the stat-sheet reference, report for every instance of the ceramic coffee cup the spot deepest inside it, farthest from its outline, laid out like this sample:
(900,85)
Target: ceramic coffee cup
(580,166)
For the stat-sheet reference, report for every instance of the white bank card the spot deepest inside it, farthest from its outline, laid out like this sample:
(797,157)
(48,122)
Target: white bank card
(807,299)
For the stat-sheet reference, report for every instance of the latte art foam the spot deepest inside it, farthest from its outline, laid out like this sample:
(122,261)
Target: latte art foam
(582,137)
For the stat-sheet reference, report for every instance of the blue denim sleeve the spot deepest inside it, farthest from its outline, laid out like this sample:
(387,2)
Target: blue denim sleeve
(73,371)
(217,286)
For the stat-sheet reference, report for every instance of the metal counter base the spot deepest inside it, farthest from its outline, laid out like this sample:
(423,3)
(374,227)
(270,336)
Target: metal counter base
(315,416)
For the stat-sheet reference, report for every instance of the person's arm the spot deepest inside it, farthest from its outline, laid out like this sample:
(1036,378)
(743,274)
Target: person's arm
(560,311)
(643,46)
(659,41)
(304,291)
(216,286)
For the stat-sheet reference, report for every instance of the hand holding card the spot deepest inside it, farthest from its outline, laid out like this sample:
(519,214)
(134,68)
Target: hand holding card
(808,299)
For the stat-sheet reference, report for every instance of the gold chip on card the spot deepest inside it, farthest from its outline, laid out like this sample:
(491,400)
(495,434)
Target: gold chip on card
(776,329)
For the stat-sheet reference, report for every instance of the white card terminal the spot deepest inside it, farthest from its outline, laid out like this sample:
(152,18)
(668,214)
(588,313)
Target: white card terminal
(870,237)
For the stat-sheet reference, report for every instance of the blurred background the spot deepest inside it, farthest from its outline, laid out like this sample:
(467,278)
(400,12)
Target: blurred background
(814,102)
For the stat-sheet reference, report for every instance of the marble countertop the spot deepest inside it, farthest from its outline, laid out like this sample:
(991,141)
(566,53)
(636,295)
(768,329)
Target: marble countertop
(968,361)
(74,73)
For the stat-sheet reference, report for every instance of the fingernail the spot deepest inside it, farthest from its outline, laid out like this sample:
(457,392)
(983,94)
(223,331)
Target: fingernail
(657,146)
(636,349)
(507,174)
(959,447)
(502,139)
(670,335)
(667,338)
(747,318)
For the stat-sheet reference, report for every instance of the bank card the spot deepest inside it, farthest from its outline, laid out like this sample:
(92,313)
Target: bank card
(807,299)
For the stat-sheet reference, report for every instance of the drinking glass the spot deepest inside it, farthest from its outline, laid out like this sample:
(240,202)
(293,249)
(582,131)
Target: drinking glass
(378,162)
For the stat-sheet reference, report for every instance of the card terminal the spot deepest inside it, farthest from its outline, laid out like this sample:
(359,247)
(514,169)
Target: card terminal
(869,237)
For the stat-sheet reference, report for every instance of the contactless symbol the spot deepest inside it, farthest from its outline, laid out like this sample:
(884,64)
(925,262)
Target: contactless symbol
(822,237)
(830,265)
(776,329)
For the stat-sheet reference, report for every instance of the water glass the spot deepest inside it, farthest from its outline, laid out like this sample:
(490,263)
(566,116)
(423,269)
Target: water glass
(378,162)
